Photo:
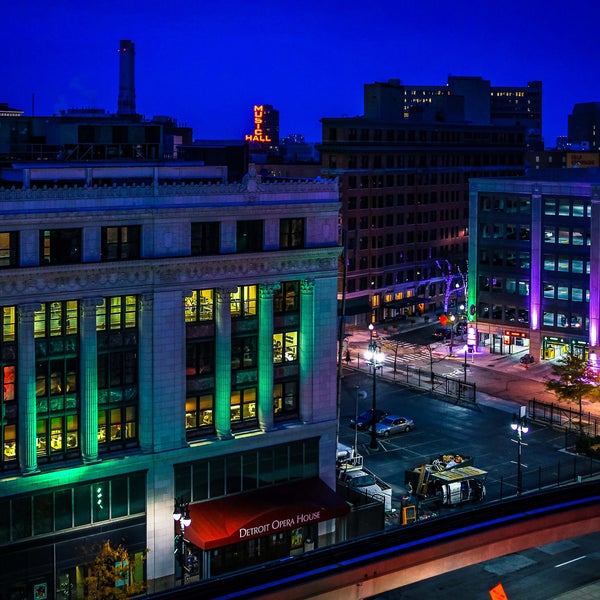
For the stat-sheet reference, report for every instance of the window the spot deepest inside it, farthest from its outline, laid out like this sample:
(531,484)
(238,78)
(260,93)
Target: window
(577,294)
(549,262)
(549,235)
(291,233)
(117,312)
(121,243)
(577,265)
(548,319)
(562,292)
(9,249)
(60,246)
(548,290)
(116,324)
(523,288)
(200,358)
(199,306)
(205,238)
(243,301)
(243,352)
(285,400)
(285,347)
(286,298)
(550,206)
(564,207)
(249,236)
(199,412)
(243,406)
(56,379)
(563,235)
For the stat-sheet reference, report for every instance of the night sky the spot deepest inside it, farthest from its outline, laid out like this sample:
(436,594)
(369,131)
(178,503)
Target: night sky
(206,63)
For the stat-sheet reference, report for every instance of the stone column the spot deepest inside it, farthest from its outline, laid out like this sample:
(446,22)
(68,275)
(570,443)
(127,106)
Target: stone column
(88,366)
(306,350)
(27,449)
(265,356)
(223,362)
(146,372)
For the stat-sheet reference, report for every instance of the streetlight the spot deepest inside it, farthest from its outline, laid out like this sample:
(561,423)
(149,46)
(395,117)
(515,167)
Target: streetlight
(374,358)
(519,424)
(466,349)
(181,515)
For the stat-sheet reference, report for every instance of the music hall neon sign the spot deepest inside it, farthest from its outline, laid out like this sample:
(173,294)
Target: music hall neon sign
(259,134)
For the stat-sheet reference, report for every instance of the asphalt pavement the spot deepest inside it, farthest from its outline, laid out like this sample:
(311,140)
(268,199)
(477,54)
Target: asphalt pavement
(502,381)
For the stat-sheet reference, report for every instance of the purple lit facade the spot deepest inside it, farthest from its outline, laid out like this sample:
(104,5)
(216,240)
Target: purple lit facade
(533,262)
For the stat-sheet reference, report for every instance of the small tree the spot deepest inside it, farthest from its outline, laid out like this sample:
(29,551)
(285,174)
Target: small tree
(454,282)
(574,380)
(110,576)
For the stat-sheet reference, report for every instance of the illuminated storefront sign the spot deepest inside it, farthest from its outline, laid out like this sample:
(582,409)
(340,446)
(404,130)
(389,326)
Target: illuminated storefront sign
(515,334)
(258,135)
(277,524)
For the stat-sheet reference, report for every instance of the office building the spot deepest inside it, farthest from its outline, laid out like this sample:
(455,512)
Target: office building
(165,335)
(404,192)
(532,254)
(584,125)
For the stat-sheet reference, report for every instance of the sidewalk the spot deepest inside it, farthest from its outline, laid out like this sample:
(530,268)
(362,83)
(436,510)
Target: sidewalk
(502,381)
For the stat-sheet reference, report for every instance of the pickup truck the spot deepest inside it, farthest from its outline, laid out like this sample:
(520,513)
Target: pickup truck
(361,479)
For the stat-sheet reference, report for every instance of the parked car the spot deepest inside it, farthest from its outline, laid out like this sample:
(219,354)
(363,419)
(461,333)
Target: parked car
(527,359)
(393,424)
(366,418)
(442,333)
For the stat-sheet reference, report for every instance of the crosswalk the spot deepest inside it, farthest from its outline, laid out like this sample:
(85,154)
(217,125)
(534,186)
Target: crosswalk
(403,353)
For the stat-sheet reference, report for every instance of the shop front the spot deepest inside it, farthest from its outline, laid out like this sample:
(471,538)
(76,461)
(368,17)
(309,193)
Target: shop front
(558,347)
(240,531)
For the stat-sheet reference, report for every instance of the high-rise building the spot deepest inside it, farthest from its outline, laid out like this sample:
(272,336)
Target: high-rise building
(265,136)
(164,339)
(584,125)
(404,192)
(532,251)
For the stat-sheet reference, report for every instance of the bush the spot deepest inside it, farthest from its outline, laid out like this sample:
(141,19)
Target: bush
(588,445)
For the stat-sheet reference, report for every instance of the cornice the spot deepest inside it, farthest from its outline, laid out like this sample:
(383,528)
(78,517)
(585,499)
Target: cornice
(42,284)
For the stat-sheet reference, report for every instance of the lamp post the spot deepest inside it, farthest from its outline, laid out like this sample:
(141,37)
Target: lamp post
(181,515)
(520,426)
(374,357)
(466,349)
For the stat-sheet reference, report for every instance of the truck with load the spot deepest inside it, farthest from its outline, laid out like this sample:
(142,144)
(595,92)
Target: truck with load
(449,479)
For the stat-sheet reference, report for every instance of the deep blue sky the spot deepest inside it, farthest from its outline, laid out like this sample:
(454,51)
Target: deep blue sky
(207,63)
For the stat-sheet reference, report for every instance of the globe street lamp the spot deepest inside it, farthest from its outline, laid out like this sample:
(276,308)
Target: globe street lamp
(181,515)
(374,358)
(520,426)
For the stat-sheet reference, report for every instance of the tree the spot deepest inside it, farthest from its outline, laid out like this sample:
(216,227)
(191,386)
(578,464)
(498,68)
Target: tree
(110,576)
(575,379)
(449,277)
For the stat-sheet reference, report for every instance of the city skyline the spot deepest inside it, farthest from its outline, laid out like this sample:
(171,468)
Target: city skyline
(207,66)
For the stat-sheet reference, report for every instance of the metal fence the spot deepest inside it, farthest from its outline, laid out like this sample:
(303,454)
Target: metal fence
(572,469)
(564,417)
(425,379)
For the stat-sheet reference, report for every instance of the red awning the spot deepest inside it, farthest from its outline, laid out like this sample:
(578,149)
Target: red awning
(217,523)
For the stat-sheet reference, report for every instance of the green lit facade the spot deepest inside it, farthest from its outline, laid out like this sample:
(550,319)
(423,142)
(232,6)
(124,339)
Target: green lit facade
(161,337)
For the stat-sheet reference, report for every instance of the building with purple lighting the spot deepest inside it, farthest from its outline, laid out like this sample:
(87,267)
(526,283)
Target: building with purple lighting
(534,252)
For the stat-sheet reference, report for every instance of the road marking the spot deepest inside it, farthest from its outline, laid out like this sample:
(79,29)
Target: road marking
(570,561)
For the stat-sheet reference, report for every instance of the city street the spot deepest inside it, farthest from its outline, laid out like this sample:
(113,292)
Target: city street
(561,571)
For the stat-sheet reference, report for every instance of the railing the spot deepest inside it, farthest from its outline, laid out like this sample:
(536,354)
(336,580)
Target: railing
(564,417)
(425,379)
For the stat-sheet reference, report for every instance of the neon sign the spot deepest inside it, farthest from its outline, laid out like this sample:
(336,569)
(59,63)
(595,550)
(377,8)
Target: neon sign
(259,134)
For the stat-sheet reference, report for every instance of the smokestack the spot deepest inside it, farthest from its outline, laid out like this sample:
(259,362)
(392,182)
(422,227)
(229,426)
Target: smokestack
(126,78)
